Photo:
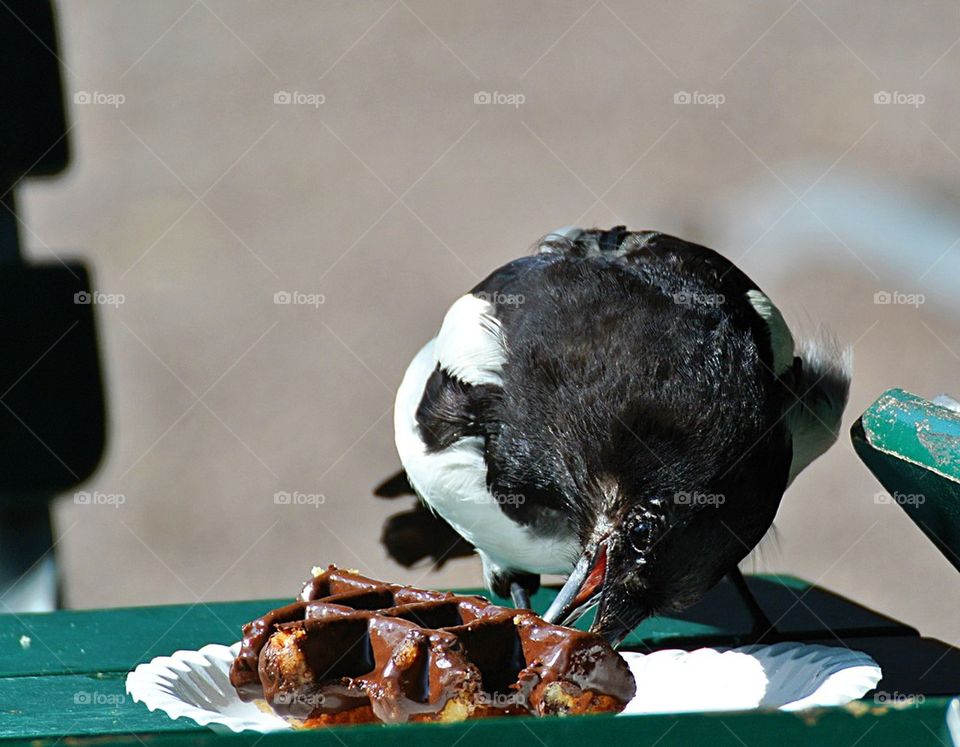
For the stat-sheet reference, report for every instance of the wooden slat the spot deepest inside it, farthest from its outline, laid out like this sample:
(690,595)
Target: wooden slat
(116,640)
(58,705)
(864,725)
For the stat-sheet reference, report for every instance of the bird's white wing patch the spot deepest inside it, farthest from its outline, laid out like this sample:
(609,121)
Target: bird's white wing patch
(452,482)
(470,346)
(781,341)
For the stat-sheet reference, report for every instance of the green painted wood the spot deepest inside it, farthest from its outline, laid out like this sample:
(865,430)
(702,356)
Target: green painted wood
(60,705)
(69,680)
(916,430)
(912,446)
(863,725)
(799,610)
(85,655)
(115,640)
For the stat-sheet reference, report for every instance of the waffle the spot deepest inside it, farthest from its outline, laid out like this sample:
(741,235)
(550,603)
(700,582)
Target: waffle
(355,650)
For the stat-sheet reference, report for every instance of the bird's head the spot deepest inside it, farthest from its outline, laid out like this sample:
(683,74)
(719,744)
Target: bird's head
(615,570)
(653,554)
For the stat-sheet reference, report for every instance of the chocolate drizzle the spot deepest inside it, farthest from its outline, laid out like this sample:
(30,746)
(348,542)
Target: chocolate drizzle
(353,649)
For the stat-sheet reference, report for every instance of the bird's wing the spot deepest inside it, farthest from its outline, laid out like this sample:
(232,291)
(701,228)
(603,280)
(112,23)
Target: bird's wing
(442,418)
(816,371)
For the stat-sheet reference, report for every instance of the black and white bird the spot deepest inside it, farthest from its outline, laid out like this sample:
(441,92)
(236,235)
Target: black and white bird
(622,408)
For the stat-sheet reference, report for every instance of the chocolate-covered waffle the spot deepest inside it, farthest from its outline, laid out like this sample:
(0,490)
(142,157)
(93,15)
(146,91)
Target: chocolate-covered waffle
(355,650)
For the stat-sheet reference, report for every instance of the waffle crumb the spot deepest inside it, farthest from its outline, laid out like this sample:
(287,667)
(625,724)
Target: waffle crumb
(456,709)
(406,654)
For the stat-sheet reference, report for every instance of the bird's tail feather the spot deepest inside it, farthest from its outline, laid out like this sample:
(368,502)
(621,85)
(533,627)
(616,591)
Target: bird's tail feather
(822,385)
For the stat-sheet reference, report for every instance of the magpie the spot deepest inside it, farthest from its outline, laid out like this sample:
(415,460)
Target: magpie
(622,408)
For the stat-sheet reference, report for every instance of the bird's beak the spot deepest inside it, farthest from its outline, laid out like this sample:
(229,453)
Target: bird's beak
(582,588)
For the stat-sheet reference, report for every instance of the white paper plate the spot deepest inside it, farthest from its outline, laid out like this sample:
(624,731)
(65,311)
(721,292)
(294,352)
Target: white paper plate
(788,676)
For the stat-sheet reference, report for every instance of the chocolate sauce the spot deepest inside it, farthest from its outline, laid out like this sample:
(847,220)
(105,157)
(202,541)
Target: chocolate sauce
(354,650)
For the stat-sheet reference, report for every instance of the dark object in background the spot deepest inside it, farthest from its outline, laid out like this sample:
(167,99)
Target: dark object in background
(51,393)
(51,401)
(33,125)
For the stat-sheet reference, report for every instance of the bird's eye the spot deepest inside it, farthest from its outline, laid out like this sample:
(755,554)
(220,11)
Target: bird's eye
(639,533)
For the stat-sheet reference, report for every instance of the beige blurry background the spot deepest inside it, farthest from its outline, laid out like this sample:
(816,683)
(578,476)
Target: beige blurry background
(199,197)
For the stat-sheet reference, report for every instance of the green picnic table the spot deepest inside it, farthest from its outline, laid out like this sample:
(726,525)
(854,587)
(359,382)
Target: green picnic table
(62,674)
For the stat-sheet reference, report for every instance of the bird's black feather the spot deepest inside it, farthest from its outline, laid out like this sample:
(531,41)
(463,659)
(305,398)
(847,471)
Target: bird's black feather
(452,409)
(649,368)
